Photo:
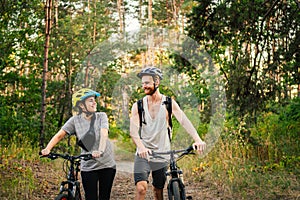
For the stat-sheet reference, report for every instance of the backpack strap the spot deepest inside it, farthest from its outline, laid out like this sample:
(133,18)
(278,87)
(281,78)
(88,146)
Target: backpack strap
(87,140)
(92,123)
(169,109)
(168,104)
(141,114)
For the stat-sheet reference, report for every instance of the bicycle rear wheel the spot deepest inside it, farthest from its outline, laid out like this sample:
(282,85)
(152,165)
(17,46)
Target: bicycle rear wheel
(62,197)
(174,191)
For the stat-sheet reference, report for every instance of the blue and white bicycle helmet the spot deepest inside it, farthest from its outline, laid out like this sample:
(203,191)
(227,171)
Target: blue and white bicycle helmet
(82,94)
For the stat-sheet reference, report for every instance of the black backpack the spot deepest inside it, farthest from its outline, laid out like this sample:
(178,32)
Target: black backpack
(141,111)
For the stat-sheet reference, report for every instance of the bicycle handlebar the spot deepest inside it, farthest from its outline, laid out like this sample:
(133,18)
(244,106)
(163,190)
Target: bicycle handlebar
(54,156)
(183,151)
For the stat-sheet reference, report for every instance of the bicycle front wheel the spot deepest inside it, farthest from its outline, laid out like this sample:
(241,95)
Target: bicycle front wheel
(62,197)
(77,195)
(174,191)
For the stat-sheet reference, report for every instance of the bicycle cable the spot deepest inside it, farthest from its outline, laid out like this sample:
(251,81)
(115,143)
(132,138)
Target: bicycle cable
(66,167)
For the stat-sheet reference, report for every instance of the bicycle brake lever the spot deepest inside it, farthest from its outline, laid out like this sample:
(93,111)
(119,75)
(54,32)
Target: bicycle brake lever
(189,149)
(52,157)
(87,157)
(156,155)
(41,155)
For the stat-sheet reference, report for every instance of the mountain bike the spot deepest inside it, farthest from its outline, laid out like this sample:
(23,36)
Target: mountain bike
(70,188)
(176,187)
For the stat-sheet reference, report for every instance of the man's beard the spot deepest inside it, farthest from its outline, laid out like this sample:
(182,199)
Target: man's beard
(150,91)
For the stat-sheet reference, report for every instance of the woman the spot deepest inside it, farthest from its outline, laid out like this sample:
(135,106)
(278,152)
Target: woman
(91,129)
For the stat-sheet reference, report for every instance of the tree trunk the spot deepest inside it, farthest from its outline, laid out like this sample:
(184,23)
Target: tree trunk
(48,7)
(141,18)
(95,24)
(56,14)
(175,12)
(150,11)
(120,5)
(150,51)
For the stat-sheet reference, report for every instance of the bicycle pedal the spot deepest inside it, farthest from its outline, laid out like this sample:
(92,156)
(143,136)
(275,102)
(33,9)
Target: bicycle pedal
(189,197)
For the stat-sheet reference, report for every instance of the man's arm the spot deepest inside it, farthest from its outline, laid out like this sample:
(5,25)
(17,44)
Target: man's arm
(134,132)
(199,144)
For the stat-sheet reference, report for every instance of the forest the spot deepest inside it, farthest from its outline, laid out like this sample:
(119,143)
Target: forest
(233,66)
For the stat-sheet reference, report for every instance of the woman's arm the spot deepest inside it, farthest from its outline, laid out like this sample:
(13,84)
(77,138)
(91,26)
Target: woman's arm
(102,143)
(55,139)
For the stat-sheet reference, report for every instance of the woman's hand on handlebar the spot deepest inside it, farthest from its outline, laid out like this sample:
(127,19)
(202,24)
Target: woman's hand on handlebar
(45,152)
(97,154)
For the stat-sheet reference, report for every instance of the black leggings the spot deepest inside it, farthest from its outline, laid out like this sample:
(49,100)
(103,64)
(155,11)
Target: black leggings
(102,179)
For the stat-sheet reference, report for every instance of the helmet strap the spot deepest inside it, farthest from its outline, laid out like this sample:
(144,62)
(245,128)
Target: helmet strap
(87,113)
(155,88)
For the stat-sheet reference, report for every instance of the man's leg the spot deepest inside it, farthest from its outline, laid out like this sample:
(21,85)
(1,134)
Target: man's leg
(159,179)
(141,190)
(158,193)
(141,174)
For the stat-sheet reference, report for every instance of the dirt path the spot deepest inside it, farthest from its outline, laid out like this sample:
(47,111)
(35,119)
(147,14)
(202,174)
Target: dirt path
(50,175)
(124,188)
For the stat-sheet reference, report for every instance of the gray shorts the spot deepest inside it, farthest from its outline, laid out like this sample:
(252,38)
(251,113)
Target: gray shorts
(143,167)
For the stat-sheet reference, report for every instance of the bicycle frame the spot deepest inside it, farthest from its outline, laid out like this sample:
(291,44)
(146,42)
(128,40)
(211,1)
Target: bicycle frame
(71,185)
(176,187)
(175,177)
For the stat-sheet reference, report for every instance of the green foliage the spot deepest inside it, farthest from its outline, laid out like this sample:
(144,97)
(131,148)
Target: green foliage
(264,158)
(16,171)
(19,87)
(21,61)
(19,115)
(243,38)
(281,133)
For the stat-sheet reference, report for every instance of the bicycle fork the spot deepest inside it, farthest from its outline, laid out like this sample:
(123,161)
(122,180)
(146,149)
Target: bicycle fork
(175,175)
(70,187)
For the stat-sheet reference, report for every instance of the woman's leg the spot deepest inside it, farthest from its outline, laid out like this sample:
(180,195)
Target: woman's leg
(90,183)
(106,179)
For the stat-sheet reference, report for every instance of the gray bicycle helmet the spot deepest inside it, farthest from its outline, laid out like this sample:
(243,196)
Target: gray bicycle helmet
(152,71)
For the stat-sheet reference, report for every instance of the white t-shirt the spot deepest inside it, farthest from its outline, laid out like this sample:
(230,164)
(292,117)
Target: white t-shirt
(154,133)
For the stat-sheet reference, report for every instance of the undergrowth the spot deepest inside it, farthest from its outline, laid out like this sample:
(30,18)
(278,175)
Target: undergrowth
(258,162)
(16,170)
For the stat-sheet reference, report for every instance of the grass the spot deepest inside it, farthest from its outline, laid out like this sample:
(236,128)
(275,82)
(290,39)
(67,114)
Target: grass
(244,179)
(16,172)
(24,175)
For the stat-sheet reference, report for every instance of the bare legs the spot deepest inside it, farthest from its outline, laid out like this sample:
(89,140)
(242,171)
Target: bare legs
(158,194)
(141,189)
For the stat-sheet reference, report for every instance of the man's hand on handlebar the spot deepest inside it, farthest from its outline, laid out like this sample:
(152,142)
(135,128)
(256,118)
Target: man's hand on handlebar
(144,152)
(199,146)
